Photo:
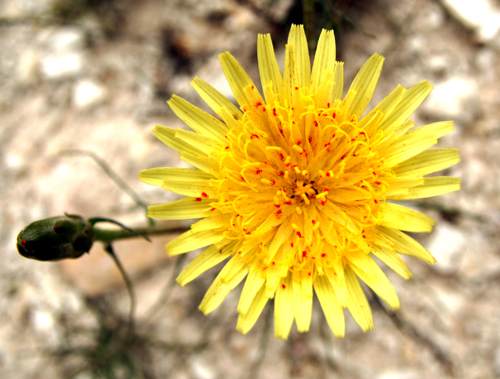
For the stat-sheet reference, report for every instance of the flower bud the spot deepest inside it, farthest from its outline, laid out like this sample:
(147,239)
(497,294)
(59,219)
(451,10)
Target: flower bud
(55,238)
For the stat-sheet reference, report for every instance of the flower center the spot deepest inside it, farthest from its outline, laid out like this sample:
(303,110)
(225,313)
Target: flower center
(307,167)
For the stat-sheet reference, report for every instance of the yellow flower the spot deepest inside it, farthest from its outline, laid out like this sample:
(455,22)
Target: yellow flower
(293,188)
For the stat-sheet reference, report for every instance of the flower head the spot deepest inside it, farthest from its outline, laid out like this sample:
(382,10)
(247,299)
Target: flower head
(293,187)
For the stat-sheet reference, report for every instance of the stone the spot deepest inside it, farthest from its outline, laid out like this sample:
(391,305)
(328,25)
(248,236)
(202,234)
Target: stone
(454,99)
(399,375)
(63,53)
(63,66)
(88,94)
(481,16)
(447,244)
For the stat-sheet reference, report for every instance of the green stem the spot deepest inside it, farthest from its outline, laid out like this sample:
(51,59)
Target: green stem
(110,235)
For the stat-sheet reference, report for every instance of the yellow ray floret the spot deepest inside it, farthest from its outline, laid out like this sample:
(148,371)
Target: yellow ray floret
(292,187)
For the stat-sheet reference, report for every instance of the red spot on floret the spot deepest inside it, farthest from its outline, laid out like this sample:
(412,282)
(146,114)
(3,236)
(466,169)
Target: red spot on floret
(376,202)
(299,143)
(296,88)
(197,199)
(279,212)
(254,136)
(253,87)
(313,222)
(282,157)
(282,173)
(227,147)
(315,123)
(328,105)
(212,209)
(299,234)
(258,104)
(309,273)
(323,255)
(343,156)
(310,139)
(334,115)
(378,183)
(363,133)
(258,171)
(204,194)
(374,173)
(304,254)
(283,286)
(274,112)
(327,144)
(273,182)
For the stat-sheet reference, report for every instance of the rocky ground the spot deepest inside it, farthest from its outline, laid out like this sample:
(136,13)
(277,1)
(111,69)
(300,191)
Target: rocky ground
(94,75)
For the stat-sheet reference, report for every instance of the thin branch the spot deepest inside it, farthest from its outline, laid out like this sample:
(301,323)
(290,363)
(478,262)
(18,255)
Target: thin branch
(409,329)
(128,283)
(113,176)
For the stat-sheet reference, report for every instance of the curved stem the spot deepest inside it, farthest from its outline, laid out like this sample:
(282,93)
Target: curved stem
(128,283)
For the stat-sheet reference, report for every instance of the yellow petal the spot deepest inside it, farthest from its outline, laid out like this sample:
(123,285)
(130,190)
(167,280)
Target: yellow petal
(324,60)
(363,86)
(283,309)
(369,272)
(408,104)
(331,307)
(197,119)
(406,245)
(184,181)
(247,321)
(253,284)
(167,136)
(202,143)
(392,259)
(208,258)
(183,209)
(428,162)
(402,218)
(300,56)
(192,240)
(338,89)
(215,99)
(356,301)
(302,299)
(434,186)
(221,287)
(243,88)
(268,66)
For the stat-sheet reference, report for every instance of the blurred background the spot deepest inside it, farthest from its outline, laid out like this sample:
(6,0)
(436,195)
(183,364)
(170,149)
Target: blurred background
(94,75)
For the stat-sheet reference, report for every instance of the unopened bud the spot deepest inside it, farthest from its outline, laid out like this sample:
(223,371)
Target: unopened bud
(55,238)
